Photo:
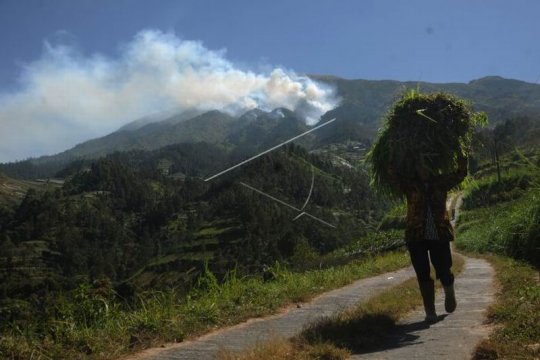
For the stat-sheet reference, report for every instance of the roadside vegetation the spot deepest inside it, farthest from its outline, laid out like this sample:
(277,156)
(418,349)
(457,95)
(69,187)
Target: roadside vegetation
(516,314)
(90,323)
(503,217)
(501,221)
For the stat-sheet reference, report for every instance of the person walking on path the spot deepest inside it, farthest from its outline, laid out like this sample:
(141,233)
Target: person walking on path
(420,154)
(429,232)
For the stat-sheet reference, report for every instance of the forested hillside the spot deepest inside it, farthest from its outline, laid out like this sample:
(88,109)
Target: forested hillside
(130,219)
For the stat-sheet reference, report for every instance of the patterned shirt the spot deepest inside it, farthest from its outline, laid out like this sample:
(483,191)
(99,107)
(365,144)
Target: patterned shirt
(431,231)
(418,214)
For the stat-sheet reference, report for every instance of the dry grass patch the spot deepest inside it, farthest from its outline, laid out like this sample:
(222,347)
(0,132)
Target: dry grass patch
(283,349)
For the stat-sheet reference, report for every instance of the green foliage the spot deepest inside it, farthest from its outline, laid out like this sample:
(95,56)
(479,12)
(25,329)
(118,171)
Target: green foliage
(88,322)
(431,131)
(395,218)
(121,218)
(516,314)
(510,228)
(374,242)
(507,148)
(488,191)
(504,216)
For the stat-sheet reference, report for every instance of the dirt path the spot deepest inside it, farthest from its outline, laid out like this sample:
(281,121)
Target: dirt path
(252,332)
(456,334)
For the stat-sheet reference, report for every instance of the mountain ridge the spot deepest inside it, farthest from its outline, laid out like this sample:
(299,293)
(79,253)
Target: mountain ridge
(363,104)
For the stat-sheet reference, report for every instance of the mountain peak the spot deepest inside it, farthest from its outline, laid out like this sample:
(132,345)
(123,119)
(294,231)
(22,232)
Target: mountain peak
(489,80)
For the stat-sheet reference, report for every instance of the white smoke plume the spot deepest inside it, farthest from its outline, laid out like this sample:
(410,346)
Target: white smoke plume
(65,98)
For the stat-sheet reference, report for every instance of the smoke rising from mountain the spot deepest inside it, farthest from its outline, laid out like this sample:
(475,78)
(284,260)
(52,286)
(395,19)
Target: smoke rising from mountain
(66,97)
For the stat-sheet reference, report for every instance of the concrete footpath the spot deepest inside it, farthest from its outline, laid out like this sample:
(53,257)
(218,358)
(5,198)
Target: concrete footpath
(455,335)
(285,324)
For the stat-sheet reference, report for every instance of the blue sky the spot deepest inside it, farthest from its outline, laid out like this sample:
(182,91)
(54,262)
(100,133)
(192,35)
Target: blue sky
(71,70)
(431,40)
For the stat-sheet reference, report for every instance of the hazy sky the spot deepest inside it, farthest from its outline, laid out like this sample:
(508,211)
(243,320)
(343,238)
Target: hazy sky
(431,40)
(72,70)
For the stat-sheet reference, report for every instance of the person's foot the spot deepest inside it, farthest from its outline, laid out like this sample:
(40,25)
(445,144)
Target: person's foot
(449,299)
(427,289)
(431,318)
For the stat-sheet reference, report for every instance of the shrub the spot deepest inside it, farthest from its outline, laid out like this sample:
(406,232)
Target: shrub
(488,191)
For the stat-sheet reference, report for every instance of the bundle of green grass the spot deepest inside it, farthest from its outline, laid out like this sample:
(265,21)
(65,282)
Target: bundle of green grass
(430,131)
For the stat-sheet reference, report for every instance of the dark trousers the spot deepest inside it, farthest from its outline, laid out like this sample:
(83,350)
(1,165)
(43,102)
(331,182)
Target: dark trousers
(441,258)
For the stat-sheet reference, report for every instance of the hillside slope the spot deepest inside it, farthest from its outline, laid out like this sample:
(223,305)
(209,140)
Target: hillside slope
(363,104)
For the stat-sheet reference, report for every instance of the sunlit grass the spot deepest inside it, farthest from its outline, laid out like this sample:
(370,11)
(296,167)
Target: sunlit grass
(91,325)
(510,228)
(504,219)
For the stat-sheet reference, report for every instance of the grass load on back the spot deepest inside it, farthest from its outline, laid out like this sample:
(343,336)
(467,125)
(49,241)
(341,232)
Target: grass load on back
(430,131)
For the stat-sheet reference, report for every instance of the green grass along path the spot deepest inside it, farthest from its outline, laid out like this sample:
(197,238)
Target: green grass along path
(288,323)
(454,337)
